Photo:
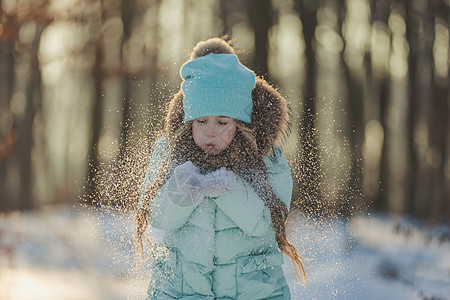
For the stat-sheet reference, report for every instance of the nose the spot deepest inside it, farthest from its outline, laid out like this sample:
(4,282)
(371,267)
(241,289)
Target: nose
(210,131)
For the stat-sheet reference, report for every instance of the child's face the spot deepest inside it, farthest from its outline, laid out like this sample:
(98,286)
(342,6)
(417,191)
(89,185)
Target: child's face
(213,134)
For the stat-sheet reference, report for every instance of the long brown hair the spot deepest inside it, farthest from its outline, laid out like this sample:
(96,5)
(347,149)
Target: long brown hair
(244,156)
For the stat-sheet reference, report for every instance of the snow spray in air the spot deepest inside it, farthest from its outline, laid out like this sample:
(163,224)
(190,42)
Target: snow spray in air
(114,184)
(323,166)
(327,191)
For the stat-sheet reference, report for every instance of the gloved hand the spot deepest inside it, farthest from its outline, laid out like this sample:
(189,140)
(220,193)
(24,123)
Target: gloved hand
(218,183)
(186,189)
(189,187)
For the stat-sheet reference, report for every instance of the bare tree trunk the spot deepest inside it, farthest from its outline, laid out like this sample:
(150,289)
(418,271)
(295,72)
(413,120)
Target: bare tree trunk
(261,20)
(224,12)
(155,115)
(438,119)
(127,13)
(25,140)
(308,161)
(442,85)
(19,193)
(355,97)
(7,133)
(381,203)
(380,12)
(413,36)
(97,115)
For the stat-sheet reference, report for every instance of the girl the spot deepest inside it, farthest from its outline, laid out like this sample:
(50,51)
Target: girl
(219,186)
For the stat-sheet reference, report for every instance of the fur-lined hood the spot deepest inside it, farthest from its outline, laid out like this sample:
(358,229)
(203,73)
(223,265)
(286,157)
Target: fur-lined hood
(270,116)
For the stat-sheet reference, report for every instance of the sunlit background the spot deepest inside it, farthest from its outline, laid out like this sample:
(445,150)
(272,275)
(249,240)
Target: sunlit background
(84,85)
(82,79)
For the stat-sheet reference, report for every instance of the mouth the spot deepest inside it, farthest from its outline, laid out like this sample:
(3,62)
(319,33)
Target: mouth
(210,146)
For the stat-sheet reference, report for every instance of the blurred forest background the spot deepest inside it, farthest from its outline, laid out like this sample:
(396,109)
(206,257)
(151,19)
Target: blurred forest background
(84,84)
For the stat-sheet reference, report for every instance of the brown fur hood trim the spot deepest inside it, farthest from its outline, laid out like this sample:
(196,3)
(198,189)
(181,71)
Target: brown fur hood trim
(270,116)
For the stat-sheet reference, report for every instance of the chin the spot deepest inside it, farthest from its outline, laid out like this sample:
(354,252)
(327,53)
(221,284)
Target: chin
(213,152)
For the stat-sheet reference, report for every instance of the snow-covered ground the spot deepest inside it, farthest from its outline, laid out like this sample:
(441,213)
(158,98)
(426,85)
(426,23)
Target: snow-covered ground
(64,252)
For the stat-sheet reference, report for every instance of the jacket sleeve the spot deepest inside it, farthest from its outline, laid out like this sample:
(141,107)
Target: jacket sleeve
(165,213)
(280,176)
(159,156)
(247,209)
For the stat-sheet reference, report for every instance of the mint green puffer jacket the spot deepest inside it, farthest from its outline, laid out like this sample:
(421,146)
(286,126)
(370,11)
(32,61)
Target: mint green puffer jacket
(221,248)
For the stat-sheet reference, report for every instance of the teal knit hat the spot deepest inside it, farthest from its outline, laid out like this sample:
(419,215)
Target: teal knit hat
(217,85)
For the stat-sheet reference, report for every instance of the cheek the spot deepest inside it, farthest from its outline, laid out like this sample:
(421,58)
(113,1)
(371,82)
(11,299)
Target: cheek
(228,136)
(196,134)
